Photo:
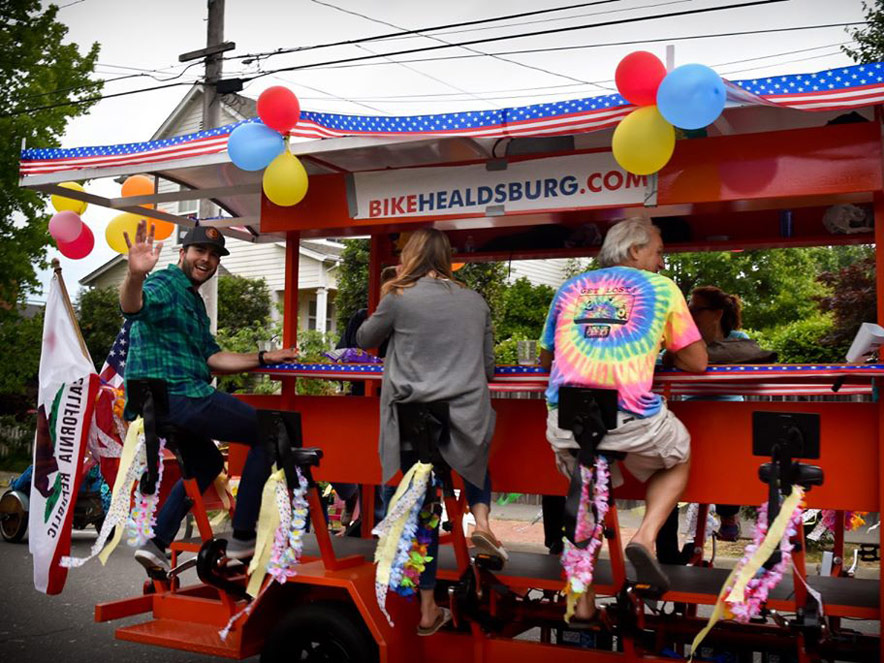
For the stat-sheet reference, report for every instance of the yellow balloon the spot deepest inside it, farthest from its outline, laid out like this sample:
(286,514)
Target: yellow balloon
(643,142)
(62,204)
(121,223)
(285,180)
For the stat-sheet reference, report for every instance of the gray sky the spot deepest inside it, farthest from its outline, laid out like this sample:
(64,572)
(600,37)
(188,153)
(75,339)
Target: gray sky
(145,38)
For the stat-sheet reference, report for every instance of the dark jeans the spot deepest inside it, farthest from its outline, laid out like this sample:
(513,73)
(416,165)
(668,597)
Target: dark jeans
(474,495)
(223,417)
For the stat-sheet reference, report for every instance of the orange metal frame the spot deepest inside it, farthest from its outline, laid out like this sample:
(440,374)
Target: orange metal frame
(729,175)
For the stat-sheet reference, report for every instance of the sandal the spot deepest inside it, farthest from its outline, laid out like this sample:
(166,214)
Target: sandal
(487,543)
(442,619)
(647,570)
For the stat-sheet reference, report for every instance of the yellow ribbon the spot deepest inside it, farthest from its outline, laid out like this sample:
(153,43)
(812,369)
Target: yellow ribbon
(121,489)
(744,574)
(268,522)
(389,543)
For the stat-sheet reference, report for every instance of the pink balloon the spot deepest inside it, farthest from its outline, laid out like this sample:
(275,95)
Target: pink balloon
(278,108)
(81,247)
(65,226)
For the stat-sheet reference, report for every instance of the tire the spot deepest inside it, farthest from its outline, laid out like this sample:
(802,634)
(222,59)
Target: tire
(13,517)
(330,632)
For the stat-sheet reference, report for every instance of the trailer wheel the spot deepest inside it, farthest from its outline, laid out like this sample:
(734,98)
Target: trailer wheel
(320,632)
(13,517)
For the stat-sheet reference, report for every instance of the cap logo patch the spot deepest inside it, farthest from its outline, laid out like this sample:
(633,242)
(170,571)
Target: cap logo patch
(211,233)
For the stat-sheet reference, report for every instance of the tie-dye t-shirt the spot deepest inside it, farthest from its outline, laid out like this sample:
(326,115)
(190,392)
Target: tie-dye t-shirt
(606,328)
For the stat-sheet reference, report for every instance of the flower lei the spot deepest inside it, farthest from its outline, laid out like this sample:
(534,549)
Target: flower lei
(748,585)
(396,532)
(417,559)
(579,563)
(142,517)
(288,542)
(289,539)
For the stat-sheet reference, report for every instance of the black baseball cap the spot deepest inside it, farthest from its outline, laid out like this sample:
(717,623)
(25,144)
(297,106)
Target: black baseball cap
(207,236)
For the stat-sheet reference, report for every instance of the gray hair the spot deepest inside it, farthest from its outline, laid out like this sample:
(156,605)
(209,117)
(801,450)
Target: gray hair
(623,236)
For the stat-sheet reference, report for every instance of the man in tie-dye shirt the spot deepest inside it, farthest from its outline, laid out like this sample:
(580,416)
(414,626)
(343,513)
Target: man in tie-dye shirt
(605,329)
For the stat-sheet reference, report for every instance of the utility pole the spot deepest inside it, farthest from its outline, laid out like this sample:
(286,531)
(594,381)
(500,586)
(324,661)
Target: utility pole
(212,119)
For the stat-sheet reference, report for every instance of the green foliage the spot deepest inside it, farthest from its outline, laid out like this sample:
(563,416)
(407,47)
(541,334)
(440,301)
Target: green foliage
(244,339)
(870,38)
(506,352)
(21,340)
(800,342)
(776,286)
(16,435)
(576,266)
(37,69)
(242,302)
(311,346)
(352,278)
(524,309)
(98,313)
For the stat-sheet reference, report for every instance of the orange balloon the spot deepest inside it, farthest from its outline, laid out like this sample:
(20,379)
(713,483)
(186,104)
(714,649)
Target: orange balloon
(138,185)
(161,229)
(456,266)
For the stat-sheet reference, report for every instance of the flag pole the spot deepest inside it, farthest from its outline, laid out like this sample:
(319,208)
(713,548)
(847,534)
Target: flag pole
(56,267)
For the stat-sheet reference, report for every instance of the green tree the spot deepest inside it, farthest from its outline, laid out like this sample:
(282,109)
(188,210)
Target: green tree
(44,82)
(776,286)
(524,310)
(21,338)
(489,280)
(242,303)
(352,279)
(869,39)
(98,313)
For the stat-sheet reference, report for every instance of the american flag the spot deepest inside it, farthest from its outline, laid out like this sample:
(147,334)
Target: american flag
(834,89)
(115,365)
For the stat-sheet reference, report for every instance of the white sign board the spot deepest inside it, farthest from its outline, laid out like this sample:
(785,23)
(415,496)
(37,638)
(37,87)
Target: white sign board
(568,182)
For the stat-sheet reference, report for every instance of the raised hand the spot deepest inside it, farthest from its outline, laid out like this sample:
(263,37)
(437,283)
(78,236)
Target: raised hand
(143,253)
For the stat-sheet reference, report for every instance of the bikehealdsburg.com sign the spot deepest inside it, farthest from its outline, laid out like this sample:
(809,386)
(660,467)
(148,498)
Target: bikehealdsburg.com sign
(567,182)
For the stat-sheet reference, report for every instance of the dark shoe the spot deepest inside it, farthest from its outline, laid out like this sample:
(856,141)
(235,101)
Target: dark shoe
(729,529)
(240,549)
(647,570)
(152,557)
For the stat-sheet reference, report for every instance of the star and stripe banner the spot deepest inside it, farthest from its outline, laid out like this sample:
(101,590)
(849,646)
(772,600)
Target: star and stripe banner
(844,88)
(68,386)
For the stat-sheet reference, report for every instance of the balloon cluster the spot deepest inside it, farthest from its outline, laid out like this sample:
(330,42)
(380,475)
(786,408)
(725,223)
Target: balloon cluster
(73,237)
(689,97)
(127,222)
(264,144)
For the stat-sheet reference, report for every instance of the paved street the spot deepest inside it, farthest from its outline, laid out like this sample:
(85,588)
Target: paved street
(35,628)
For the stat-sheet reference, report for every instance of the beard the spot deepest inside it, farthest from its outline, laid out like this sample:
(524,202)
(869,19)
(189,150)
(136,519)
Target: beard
(196,276)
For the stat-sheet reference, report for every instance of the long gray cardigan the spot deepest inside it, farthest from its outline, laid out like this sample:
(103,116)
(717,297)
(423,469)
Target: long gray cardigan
(441,348)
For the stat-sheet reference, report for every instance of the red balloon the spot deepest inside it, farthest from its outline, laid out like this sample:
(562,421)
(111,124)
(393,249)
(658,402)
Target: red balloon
(638,76)
(278,108)
(80,247)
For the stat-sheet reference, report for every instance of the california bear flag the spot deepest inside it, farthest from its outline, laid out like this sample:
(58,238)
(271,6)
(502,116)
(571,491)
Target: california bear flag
(68,387)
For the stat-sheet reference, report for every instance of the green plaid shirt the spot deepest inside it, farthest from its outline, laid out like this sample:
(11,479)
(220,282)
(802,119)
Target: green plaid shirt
(170,337)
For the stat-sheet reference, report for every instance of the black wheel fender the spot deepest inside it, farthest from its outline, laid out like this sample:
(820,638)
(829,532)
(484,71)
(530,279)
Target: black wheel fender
(324,631)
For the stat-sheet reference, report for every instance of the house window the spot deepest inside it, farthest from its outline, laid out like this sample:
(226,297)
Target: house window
(311,314)
(329,315)
(189,208)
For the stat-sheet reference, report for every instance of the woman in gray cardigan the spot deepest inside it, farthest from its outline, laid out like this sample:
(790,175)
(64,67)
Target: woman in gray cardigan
(440,349)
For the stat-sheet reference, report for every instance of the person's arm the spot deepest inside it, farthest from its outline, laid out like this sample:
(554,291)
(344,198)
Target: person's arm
(693,357)
(546,358)
(223,363)
(548,336)
(379,326)
(143,257)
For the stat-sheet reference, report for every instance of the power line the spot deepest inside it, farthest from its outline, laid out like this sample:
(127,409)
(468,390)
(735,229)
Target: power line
(552,49)
(487,40)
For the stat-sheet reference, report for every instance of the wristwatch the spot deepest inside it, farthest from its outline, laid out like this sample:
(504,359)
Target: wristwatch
(261,361)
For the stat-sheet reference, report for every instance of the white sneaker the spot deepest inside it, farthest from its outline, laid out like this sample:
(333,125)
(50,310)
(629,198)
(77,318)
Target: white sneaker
(151,557)
(240,549)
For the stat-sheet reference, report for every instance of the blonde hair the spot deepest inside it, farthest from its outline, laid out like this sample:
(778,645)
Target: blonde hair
(427,250)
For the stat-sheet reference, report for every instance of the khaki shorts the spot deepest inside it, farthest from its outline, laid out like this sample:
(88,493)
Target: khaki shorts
(651,444)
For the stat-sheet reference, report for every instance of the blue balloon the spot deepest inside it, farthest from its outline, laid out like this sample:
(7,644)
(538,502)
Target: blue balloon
(253,146)
(691,96)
